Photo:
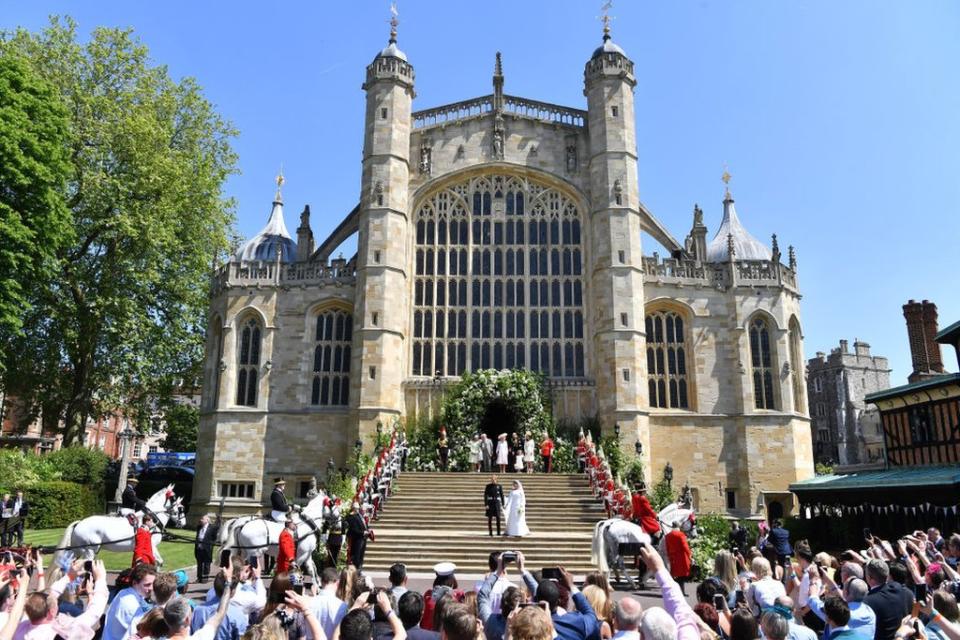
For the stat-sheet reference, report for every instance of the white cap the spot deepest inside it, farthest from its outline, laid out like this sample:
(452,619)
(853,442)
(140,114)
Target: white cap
(444,568)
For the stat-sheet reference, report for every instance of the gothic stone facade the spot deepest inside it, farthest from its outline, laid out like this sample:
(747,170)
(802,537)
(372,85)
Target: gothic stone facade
(504,232)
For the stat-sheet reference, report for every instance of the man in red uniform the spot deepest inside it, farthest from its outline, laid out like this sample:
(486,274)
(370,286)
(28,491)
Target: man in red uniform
(287,547)
(546,450)
(681,558)
(643,513)
(143,543)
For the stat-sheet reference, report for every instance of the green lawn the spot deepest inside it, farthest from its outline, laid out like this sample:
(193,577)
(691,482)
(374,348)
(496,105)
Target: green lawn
(176,555)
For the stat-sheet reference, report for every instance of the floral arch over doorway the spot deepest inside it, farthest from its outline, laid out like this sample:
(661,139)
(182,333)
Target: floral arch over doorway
(517,395)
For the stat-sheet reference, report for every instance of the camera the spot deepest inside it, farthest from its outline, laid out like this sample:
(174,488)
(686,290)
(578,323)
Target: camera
(552,573)
(508,556)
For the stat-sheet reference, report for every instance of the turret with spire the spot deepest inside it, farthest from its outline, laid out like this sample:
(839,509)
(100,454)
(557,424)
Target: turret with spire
(732,233)
(273,242)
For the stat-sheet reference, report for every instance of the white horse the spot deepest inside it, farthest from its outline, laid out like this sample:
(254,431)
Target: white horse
(609,534)
(114,533)
(257,536)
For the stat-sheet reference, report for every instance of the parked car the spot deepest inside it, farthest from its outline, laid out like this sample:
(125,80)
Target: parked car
(152,479)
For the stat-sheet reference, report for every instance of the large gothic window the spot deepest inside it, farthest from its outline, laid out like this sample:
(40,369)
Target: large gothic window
(498,280)
(666,360)
(762,364)
(331,359)
(248,363)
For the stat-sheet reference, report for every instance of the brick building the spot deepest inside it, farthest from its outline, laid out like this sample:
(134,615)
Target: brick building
(845,430)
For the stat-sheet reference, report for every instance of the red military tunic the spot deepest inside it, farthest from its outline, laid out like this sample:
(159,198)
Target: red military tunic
(143,547)
(643,512)
(679,553)
(287,551)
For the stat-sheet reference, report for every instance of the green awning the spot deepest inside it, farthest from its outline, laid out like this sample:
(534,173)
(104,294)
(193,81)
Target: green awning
(897,485)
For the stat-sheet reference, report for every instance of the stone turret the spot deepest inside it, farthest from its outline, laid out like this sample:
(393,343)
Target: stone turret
(617,278)
(381,317)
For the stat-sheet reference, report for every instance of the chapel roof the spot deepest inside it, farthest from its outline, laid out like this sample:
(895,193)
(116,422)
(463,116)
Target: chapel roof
(273,239)
(732,232)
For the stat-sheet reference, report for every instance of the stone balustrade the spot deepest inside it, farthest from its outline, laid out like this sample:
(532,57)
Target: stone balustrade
(512,106)
(259,273)
(719,274)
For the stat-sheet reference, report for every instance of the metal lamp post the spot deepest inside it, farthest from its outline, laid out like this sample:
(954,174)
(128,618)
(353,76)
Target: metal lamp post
(126,438)
(638,447)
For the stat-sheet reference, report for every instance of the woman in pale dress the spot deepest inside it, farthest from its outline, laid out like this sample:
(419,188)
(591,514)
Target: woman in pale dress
(529,452)
(503,452)
(517,512)
(475,455)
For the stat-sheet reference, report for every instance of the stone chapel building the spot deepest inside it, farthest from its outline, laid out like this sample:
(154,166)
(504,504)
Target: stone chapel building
(503,232)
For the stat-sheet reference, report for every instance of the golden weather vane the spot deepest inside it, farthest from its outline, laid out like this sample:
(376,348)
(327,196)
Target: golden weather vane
(280,180)
(394,21)
(726,179)
(605,16)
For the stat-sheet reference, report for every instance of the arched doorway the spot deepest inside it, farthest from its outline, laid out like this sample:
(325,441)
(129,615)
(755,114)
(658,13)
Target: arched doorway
(774,510)
(498,417)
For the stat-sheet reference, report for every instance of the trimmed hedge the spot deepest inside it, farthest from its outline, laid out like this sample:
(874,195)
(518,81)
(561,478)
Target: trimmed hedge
(57,504)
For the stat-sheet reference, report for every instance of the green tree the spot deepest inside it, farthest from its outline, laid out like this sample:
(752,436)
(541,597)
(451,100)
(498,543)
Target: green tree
(182,425)
(125,313)
(34,168)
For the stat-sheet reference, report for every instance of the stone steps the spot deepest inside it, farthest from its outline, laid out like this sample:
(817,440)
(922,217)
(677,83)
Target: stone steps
(434,517)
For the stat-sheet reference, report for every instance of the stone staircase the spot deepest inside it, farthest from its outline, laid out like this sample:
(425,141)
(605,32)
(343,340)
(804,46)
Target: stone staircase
(433,517)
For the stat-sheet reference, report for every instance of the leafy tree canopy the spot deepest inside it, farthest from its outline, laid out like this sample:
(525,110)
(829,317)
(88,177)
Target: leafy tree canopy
(182,425)
(34,168)
(123,313)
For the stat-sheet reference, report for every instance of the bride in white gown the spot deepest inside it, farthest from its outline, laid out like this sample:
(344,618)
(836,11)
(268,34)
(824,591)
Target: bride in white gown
(517,512)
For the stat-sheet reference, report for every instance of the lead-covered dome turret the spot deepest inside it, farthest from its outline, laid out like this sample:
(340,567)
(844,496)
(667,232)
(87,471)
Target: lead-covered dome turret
(273,239)
(732,233)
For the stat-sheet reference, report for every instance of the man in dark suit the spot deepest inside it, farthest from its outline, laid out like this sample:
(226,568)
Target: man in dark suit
(203,547)
(357,534)
(19,509)
(278,501)
(494,502)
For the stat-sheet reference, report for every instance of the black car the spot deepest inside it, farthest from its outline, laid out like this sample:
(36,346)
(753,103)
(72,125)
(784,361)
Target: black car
(153,479)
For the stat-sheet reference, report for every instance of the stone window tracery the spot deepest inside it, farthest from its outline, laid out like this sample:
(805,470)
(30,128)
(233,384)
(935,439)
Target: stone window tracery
(508,291)
(762,364)
(248,363)
(331,359)
(667,382)
(797,368)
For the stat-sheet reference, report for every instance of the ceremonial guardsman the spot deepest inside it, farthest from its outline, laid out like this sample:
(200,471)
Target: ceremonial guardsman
(278,501)
(287,546)
(643,513)
(143,542)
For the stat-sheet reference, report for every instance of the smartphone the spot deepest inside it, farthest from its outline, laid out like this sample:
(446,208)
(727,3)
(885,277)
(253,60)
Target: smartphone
(225,558)
(552,573)
(508,556)
(921,590)
(372,598)
(298,589)
(719,602)
(741,597)
(88,566)
(630,548)
(252,562)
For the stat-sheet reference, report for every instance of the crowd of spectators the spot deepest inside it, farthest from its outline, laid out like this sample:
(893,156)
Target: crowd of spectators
(904,589)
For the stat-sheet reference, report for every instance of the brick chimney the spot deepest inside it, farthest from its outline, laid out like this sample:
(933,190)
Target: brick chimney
(921,329)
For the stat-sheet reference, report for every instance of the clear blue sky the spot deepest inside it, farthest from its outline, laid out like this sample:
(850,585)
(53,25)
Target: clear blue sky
(840,121)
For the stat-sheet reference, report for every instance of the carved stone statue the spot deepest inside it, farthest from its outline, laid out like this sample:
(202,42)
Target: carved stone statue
(571,157)
(425,158)
(697,216)
(498,145)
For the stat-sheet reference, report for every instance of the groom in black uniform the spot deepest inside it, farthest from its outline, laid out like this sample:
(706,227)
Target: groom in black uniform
(493,499)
